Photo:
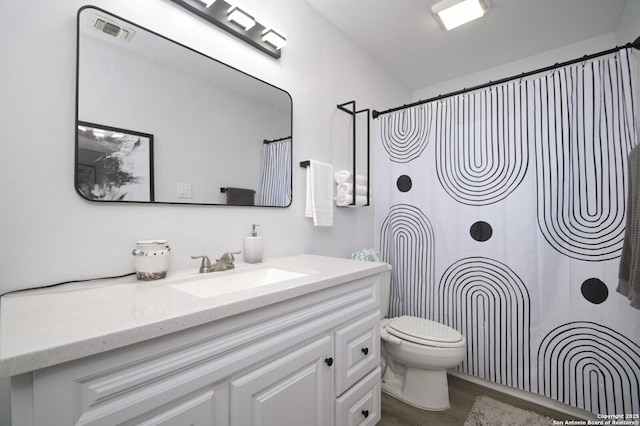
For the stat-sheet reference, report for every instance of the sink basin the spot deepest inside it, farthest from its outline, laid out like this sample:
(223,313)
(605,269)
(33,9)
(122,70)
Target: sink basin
(216,283)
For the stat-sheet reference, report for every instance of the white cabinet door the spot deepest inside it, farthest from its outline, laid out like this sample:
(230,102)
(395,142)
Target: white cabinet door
(357,351)
(195,411)
(296,389)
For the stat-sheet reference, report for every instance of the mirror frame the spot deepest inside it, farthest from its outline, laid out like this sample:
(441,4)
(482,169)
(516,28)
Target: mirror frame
(79,122)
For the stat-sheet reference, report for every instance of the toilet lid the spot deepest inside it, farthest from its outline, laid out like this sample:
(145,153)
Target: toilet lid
(424,332)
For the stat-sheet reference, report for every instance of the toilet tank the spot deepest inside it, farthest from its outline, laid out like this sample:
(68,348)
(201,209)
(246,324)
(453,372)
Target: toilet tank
(385,292)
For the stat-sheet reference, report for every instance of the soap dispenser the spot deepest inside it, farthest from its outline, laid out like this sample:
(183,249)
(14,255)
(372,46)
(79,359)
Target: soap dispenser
(253,247)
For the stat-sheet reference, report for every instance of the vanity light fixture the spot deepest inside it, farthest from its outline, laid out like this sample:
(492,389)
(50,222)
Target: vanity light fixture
(241,18)
(274,38)
(99,134)
(453,13)
(238,22)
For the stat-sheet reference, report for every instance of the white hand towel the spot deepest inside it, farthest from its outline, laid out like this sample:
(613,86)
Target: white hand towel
(343,176)
(347,187)
(345,200)
(347,176)
(361,189)
(319,204)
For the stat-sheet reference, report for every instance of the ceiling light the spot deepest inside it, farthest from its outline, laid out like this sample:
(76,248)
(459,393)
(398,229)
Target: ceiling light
(273,38)
(207,3)
(240,17)
(453,13)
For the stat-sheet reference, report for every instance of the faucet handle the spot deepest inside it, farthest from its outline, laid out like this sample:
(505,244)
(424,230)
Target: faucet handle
(229,255)
(228,259)
(205,266)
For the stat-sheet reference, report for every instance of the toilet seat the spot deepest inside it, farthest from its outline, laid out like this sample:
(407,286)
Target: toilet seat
(424,332)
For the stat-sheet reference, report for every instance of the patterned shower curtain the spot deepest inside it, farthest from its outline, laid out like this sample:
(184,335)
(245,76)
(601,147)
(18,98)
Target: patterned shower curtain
(276,173)
(502,214)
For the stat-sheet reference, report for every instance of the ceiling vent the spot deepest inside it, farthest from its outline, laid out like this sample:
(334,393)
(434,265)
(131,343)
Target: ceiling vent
(111,28)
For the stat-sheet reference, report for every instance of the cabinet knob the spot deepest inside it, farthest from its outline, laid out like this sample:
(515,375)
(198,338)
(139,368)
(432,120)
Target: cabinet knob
(329,361)
(365,413)
(365,351)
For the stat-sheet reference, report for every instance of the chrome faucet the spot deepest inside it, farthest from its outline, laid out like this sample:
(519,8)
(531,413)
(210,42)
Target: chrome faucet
(225,262)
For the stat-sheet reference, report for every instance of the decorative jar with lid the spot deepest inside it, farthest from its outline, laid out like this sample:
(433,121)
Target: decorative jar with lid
(151,259)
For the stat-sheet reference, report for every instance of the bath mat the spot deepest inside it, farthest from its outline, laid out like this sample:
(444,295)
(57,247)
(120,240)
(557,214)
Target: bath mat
(489,412)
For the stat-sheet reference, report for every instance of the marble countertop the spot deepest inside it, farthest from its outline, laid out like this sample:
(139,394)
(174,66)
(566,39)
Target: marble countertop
(45,327)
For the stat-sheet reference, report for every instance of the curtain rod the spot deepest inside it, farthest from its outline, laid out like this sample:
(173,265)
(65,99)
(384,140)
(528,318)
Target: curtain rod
(276,140)
(635,44)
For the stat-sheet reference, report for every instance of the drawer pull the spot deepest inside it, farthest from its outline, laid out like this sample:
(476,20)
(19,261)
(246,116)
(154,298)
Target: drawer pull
(329,361)
(365,351)
(365,413)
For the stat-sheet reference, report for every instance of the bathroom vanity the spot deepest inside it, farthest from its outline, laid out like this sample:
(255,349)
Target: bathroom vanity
(292,341)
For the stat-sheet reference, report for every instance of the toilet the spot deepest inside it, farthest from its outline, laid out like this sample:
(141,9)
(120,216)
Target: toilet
(416,354)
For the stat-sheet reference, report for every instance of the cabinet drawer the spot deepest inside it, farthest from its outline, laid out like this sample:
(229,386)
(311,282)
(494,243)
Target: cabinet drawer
(357,351)
(360,405)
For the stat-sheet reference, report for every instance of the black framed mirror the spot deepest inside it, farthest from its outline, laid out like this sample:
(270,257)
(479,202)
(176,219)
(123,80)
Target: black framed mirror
(158,122)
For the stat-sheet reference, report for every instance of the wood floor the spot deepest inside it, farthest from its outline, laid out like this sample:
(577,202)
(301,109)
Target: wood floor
(462,395)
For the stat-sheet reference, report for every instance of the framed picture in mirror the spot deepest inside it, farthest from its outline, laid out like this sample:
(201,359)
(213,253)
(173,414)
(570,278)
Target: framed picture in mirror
(114,164)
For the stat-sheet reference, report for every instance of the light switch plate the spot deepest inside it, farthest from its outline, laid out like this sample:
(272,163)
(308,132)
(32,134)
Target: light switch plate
(184,190)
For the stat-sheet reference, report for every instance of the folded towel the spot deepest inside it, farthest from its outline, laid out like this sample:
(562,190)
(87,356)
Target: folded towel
(347,187)
(629,268)
(240,196)
(343,176)
(347,176)
(319,193)
(344,200)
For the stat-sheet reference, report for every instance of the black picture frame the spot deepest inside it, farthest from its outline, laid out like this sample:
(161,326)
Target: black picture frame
(113,164)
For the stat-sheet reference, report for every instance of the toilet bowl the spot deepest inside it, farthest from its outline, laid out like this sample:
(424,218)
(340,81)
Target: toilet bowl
(416,354)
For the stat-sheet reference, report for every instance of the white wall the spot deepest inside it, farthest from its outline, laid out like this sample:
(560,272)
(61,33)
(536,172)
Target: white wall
(628,29)
(531,63)
(48,234)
